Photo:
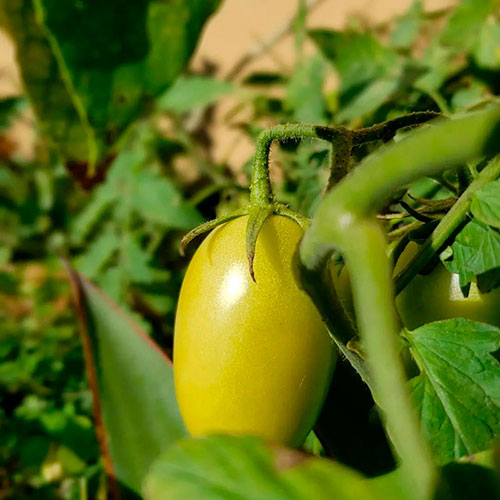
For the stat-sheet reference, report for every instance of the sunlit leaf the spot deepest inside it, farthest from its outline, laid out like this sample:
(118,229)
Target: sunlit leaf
(465,22)
(132,381)
(485,204)
(194,92)
(476,250)
(487,49)
(457,392)
(226,468)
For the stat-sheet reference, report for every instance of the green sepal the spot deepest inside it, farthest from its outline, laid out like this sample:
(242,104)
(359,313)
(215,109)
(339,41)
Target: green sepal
(209,225)
(257,215)
(284,211)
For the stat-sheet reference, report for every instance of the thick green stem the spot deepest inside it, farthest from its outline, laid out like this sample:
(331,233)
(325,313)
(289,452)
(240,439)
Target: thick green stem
(341,139)
(385,131)
(345,221)
(368,265)
(260,189)
(340,158)
(396,166)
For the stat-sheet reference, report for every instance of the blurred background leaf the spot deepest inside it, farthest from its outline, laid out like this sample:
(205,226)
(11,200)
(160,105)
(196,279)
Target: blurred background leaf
(89,84)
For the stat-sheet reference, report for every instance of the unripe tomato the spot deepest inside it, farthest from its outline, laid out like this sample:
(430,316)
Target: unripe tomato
(432,297)
(250,358)
(438,296)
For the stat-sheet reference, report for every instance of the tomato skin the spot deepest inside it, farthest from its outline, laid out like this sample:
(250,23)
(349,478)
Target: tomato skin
(432,297)
(437,296)
(250,358)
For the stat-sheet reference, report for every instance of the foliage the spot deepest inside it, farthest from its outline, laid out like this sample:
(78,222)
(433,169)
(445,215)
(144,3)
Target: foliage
(117,118)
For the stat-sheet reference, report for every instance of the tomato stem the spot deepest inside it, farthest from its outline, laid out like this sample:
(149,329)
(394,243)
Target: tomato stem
(345,221)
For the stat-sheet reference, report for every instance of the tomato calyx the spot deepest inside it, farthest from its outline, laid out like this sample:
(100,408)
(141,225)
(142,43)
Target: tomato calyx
(208,226)
(257,214)
(262,202)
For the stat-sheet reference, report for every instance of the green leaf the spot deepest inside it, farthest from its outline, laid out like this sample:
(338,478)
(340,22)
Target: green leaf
(99,252)
(189,93)
(225,467)
(305,91)
(368,100)
(487,48)
(89,83)
(407,27)
(440,65)
(132,384)
(457,392)
(136,264)
(469,97)
(465,23)
(358,57)
(85,221)
(476,250)
(485,204)
(156,199)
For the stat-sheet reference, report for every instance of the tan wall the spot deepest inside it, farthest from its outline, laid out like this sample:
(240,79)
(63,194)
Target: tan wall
(238,27)
(242,25)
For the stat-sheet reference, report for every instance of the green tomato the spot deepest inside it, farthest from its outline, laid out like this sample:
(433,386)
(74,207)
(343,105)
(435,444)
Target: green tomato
(437,296)
(432,297)
(250,357)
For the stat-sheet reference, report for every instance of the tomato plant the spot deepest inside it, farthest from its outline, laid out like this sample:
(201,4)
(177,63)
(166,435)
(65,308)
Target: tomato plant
(250,357)
(203,372)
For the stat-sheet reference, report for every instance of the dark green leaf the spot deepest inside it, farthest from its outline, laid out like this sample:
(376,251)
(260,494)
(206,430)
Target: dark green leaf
(53,103)
(458,391)
(467,482)
(369,99)
(225,467)
(9,108)
(194,92)
(88,84)
(264,78)
(132,382)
